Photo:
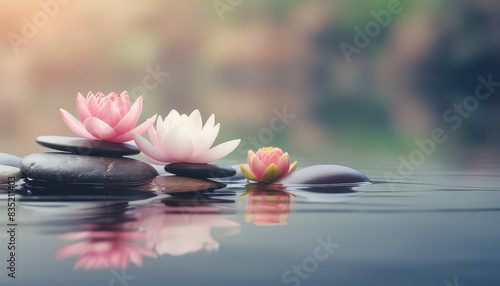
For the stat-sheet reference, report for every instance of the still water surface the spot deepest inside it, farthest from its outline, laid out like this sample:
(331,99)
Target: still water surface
(439,227)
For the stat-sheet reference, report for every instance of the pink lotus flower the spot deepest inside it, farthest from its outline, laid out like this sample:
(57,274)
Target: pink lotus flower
(182,138)
(108,118)
(267,165)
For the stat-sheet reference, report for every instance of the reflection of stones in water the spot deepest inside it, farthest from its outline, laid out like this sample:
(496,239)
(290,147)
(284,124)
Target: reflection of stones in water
(267,207)
(62,216)
(323,194)
(50,191)
(173,226)
(197,200)
(311,193)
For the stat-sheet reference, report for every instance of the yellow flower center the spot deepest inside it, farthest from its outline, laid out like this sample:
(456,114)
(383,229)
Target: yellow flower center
(266,149)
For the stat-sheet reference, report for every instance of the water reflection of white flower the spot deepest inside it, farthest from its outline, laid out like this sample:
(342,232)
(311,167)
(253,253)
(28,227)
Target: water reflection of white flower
(185,231)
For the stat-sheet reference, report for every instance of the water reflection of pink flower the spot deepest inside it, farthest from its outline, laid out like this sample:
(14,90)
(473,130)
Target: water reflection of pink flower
(106,249)
(164,229)
(182,230)
(268,207)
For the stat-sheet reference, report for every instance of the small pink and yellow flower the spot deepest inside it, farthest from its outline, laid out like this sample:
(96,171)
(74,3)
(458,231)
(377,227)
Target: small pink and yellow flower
(267,165)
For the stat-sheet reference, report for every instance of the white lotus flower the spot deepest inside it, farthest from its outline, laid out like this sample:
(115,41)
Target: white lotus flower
(182,138)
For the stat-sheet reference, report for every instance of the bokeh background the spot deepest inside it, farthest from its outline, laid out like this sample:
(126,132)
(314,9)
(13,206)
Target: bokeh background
(243,59)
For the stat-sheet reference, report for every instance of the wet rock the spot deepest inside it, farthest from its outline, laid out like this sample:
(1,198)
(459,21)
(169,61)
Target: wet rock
(9,160)
(237,178)
(82,146)
(9,174)
(200,170)
(175,184)
(323,175)
(70,168)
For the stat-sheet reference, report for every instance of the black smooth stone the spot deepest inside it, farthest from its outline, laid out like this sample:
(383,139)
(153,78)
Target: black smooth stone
(82,146)
(323,175)
(200,170)
(9,160)
(70,168)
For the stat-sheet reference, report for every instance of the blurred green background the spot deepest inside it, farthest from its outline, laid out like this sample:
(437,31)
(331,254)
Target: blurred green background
(242,59)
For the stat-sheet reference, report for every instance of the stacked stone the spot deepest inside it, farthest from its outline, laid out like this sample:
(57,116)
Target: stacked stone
(190,177)
(84,161)
(203,171)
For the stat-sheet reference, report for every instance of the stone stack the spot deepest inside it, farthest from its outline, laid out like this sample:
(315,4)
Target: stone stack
(84,161)
(190,177)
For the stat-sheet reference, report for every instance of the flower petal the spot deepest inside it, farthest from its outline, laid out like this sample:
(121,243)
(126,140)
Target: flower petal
(99,129)
(125,99)
(273,159)
(171,119)
(122,107)
(272,173)
(101,98)
(130,119)
(293,167)
(248,174)
(178,144)
(81,107)
(160,131)
(90,94)
(75,125)
(153,161)
(154,138)
(284,163)
(210,123)
(250,155)
(257,167)
(216,152)
(149,150)
(136,258)
(92,105)
(109,113)
(139,129)
(195,124)
(206,140)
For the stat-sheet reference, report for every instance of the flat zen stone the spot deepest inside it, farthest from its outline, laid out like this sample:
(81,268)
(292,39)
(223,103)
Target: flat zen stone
(70,168)
(83,146)
(9,174)
(9,160)
(200,170)
(323,175)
